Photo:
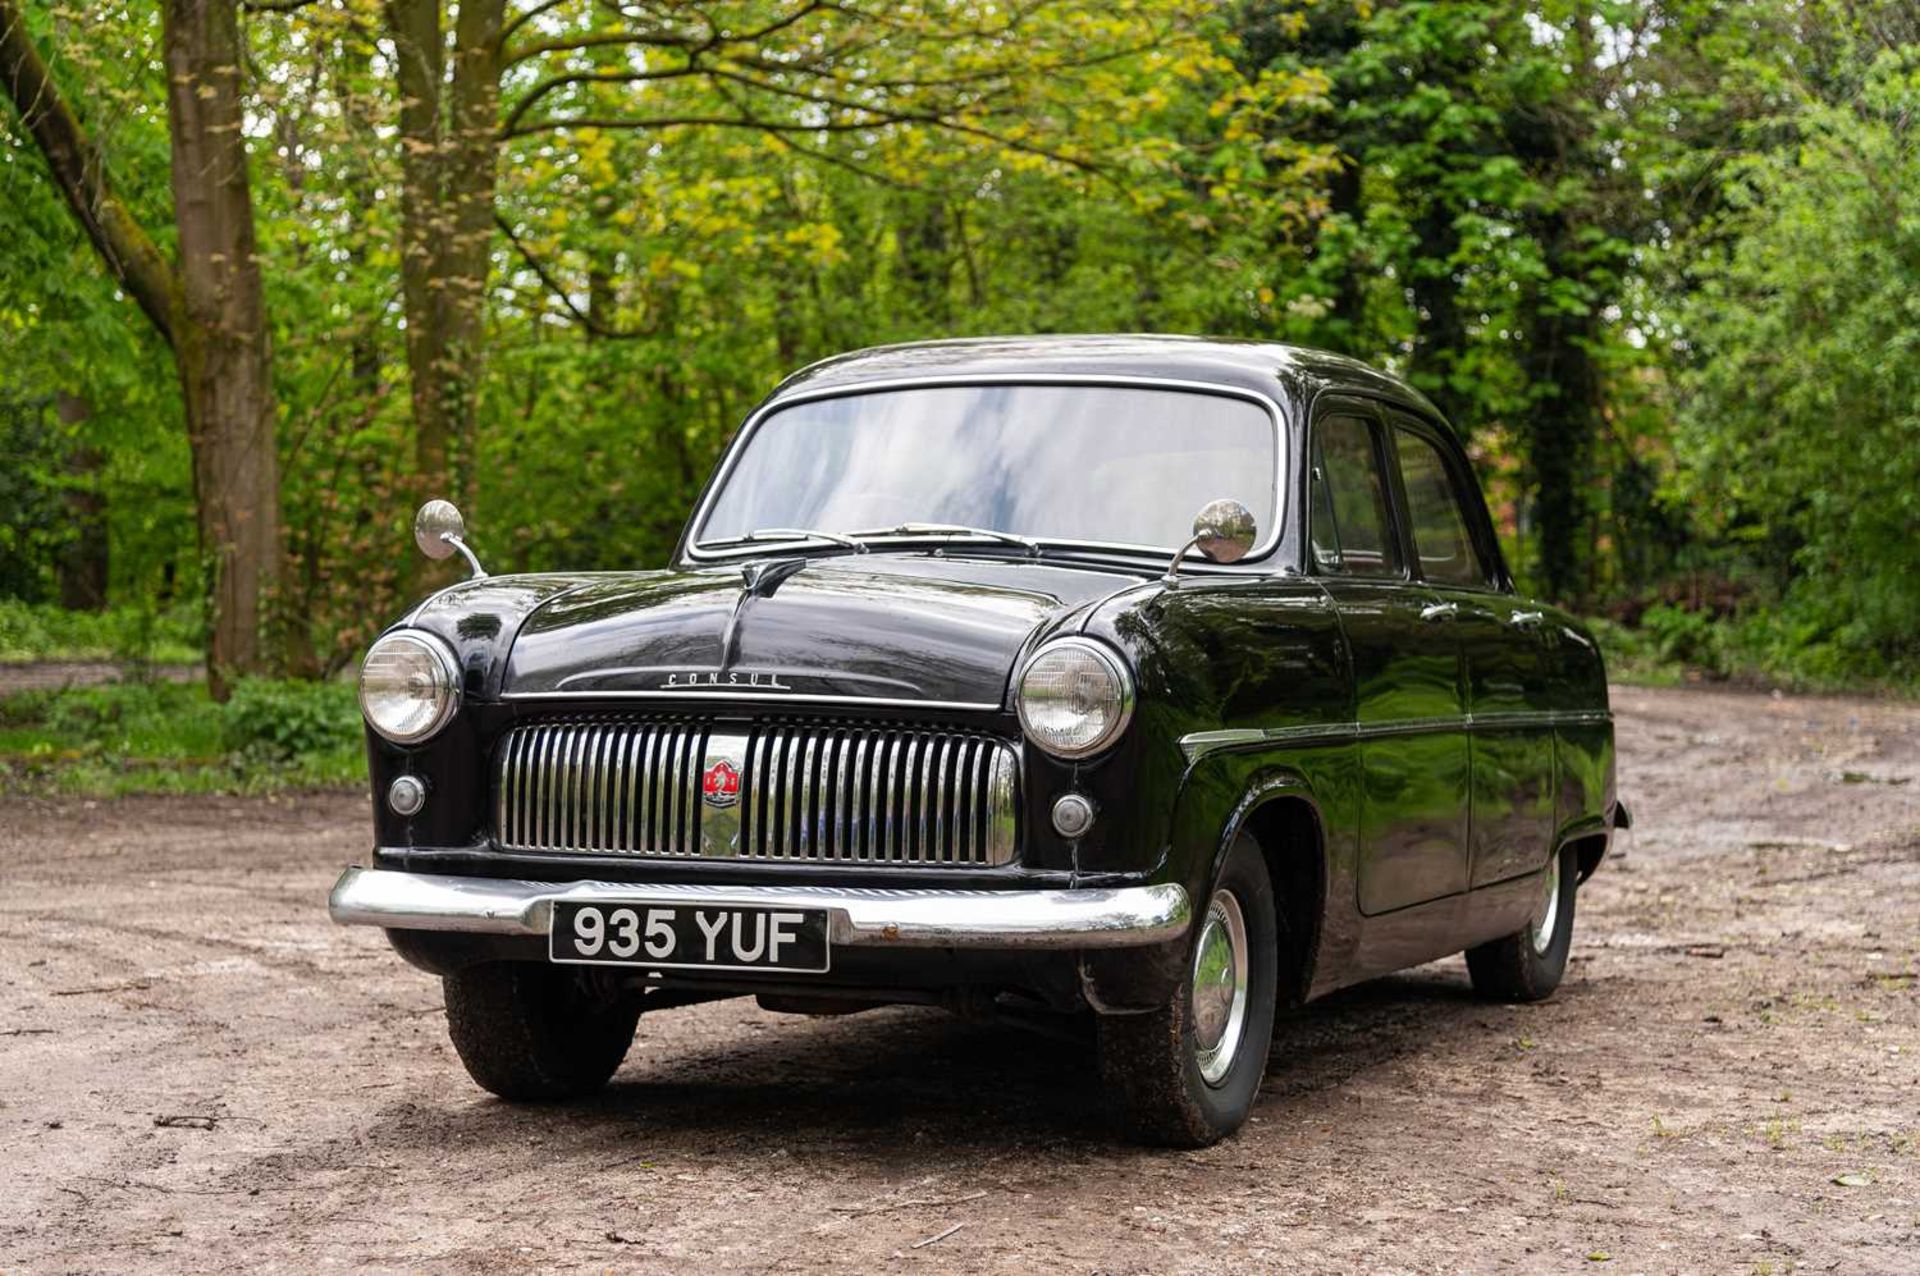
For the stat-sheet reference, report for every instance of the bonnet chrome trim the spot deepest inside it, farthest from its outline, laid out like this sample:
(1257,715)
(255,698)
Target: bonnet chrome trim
(695,694)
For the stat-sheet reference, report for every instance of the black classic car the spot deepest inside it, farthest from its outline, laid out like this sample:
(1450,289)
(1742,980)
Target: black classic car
(948,697)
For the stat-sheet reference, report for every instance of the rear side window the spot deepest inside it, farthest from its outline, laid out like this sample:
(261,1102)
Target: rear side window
(1349,529)
(1438,514)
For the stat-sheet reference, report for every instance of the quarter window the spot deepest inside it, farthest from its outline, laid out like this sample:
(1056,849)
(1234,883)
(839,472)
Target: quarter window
(1350,531)
(1447,554)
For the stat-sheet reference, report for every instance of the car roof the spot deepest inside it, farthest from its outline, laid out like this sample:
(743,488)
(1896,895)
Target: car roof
(1265,367)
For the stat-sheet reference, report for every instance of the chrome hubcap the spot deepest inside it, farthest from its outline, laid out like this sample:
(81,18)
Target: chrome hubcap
(1549,909)
(1219,987)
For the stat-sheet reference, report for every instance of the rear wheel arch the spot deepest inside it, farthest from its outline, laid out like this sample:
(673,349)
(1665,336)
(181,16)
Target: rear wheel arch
(1588,851)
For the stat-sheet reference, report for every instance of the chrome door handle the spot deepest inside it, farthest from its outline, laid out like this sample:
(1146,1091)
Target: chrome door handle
(1439,611)
(1527,619)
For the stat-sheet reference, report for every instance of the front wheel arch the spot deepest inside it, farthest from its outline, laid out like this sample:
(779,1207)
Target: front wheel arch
(1280,814)
(1278,810)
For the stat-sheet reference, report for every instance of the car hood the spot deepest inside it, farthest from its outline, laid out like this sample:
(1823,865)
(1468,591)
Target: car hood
(913,628)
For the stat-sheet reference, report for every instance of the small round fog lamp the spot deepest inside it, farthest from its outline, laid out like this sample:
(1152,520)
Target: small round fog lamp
(1072,814)
(406,795)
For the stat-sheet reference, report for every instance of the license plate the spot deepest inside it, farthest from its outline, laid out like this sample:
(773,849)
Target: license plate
(689,936)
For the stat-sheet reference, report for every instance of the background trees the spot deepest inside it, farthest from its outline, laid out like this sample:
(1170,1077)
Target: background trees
(1800,410)
(1654,257)
(206,303)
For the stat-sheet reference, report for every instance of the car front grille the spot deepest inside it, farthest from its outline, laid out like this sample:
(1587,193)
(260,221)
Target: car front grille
(808,791)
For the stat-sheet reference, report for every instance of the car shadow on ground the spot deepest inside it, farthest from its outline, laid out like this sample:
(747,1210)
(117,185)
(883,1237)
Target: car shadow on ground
(901,1084)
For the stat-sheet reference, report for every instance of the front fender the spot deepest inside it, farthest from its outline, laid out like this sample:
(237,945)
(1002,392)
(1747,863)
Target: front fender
(1220,796)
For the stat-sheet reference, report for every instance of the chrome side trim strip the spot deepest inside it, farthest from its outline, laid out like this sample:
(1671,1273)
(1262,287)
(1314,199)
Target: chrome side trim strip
(1199,744)
(1542,718)
(867,917)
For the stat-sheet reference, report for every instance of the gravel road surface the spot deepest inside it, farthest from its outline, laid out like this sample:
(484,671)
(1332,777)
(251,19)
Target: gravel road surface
(198,1072)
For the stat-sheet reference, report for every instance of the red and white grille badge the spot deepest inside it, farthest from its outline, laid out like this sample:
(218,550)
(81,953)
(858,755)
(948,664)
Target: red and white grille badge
(720,784)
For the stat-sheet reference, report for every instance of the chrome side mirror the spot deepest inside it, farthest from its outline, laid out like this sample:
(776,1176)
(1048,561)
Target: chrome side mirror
(1224,531)
(440,533)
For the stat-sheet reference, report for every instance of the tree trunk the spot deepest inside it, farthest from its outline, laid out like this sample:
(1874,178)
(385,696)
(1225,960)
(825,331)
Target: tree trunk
(220,343)
(210,307)
(83,565)
(351,65)
(1349,300)
(1564,419)
(449,122)
(1440,335)
(126,249)
(926,259)
(420,72)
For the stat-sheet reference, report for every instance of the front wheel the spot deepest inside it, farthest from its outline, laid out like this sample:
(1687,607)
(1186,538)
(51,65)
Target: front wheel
(528,1031)
(1528,965)
(1185,1075)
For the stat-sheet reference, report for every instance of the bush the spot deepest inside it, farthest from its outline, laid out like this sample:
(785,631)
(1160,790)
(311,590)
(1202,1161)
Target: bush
(170,737)
(1685,637)
(1787,644)
(37,631)
(281,721)
(124,720)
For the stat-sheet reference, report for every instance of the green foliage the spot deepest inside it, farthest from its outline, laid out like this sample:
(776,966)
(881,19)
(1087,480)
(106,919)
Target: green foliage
(80,372)
(171,737)
(1762,648)
(1634,658)
(1800,430)
(1678,636)
(132,634)
(282,721)
(1655,258)
(33,531)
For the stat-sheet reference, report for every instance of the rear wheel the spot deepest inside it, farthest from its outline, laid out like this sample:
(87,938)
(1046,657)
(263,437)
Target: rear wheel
(527,1031)
(1185,1075)
(1528,965)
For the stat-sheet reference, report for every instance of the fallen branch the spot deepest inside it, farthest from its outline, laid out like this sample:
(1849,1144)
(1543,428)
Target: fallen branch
(937,1238)
(909,1203)
(137,985)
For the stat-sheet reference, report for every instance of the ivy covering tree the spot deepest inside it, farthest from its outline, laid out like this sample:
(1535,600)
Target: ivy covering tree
(273,270)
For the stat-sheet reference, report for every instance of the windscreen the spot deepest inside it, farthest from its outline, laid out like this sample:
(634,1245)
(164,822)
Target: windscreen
(1116,465)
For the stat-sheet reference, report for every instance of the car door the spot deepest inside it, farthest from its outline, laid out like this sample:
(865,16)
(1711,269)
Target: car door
(1408,717)
(1504,658)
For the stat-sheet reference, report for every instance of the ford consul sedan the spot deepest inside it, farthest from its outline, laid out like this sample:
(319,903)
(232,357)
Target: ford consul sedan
(1154,683)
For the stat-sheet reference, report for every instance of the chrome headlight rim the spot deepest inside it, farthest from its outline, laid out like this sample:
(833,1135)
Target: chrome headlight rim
(447,676)
(1116,667)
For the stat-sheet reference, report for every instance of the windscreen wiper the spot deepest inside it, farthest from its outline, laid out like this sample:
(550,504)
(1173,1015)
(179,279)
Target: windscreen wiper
(952,529)
(790,534)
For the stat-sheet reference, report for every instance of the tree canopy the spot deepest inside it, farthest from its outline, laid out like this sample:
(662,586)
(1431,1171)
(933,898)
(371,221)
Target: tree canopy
(1656,259)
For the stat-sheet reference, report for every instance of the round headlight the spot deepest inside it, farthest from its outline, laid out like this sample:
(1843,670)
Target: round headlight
(1075,697)
(409,686)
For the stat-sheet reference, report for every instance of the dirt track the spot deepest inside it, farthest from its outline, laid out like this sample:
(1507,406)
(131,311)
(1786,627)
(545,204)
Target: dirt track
(198,1072)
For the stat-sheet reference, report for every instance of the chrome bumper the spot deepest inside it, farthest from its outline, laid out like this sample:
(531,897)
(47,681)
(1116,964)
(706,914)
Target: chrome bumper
(866,917)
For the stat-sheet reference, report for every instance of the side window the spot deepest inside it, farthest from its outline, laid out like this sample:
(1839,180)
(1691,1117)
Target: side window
(1349,529)
(1447,554)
